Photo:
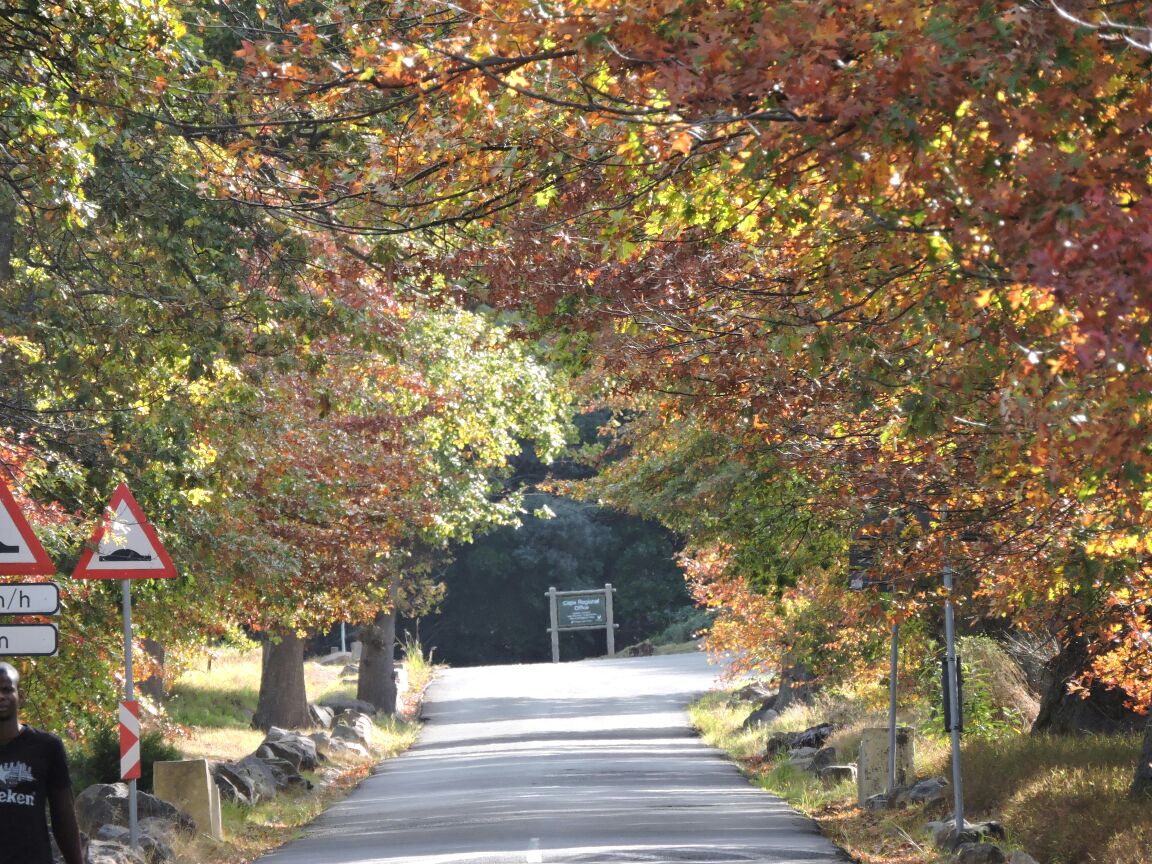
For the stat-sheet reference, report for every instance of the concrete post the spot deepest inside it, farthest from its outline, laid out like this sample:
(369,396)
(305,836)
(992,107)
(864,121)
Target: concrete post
(188,784)
(872,763)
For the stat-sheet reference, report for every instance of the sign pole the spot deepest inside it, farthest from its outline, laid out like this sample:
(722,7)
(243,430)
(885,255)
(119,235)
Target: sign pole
(954,699)
(892,669)
(608,589)
(124,546)
(555,628)
(129,695)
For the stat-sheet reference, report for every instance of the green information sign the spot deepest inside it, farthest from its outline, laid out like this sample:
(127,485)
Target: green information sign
(586,610)
(581,610)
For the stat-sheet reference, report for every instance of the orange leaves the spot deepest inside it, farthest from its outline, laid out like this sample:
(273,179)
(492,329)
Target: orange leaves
(681,142)
(902,248)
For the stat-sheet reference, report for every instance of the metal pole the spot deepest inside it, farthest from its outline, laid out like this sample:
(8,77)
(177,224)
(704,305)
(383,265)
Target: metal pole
(894,660)
(953,700)
(343,643)
(555,628)
(608,589)
(133,833)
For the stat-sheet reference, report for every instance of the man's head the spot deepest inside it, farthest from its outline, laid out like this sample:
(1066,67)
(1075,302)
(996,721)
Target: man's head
(11,671)
(9,692)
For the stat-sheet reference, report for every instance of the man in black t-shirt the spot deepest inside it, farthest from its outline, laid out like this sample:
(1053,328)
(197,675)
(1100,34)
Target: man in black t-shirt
(33,773)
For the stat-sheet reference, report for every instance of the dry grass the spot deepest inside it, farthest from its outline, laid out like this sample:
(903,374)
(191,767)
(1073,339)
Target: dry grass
(1063,800)
(252,832)
(209,715)
(223,744)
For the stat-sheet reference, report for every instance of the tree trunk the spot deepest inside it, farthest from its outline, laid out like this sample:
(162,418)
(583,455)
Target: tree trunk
(153,685)
(1102,711)
(1142,784)
(377,680)
(7,233)
(796,686)
(283,701)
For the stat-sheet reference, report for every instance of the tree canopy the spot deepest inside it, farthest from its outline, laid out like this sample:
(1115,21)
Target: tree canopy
(844,261)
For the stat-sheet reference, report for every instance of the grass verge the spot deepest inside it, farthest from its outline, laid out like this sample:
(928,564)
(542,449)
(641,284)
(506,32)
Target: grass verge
(208,716)
(1063,800)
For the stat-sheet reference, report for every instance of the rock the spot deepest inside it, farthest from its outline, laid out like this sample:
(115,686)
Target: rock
(157,828)
(334,658)
(353,726)
(876,802)
(814,736)
(991,828)
(779,742)
(939,831)
(105,852)
(979,853)
(945,835)
(803,752)
(822,759)
(155,849)
(229,791)
(341,704)
(350,671)
(287,777)
(762,715)
(107,804)
(321,715)
(251,776)
(927,792)
(756,691)
(341,746)
(1019,857)
(837,773)
(329,776)
(322,740)
(297,749)
(113,834)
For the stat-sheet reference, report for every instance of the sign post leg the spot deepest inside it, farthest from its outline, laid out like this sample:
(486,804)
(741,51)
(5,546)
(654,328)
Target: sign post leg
(892,669)
(608,589)
(954,700)
(129,695)
(555,629)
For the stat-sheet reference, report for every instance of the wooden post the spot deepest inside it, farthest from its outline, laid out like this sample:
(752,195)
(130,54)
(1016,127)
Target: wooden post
(555,628)
(608,589)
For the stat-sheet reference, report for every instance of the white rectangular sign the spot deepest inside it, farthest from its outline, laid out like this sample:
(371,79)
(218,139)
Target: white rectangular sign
(28,640)
(29,598)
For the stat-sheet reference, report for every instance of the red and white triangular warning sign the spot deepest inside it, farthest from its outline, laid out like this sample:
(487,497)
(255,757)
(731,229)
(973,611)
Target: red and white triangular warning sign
(124,545)
(20,552)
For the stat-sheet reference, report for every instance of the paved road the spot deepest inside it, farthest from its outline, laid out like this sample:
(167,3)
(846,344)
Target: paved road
(580,763)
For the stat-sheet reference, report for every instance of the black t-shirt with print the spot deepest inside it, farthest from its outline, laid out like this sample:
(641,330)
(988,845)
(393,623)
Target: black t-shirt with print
(30,764)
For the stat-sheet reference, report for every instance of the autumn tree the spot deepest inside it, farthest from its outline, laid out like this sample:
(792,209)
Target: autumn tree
(895,248)
(330,480)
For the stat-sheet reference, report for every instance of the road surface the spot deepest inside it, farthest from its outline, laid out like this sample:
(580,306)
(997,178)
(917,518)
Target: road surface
(590,762)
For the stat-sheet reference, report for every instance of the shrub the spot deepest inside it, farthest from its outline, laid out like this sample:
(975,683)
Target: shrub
(685,625)
(99,761)
(997,698)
